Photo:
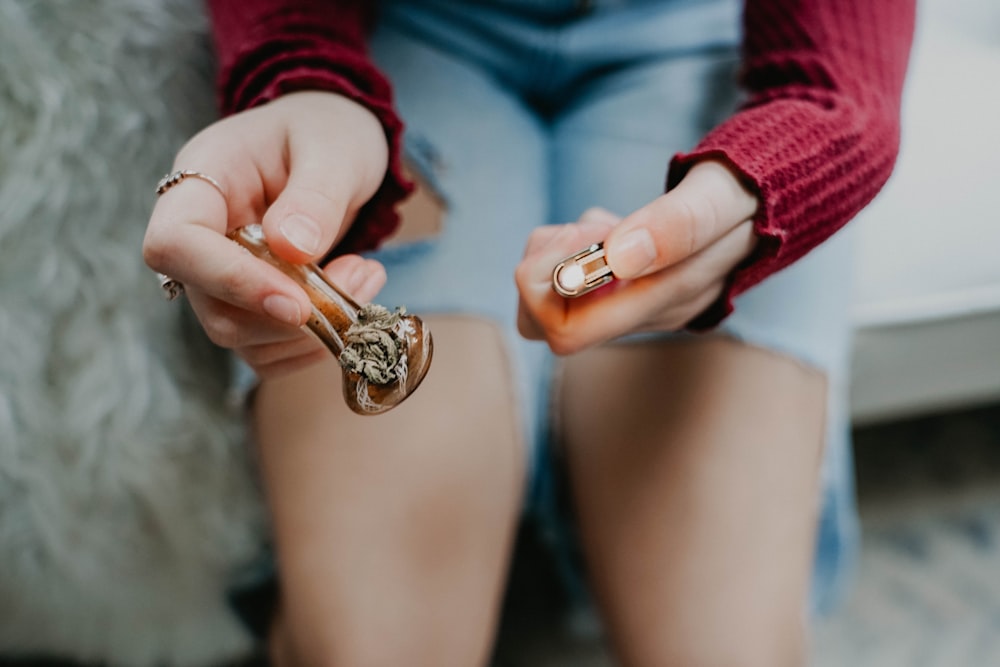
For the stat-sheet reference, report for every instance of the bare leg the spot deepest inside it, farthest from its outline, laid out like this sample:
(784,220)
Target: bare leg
(393,532)
(695,469)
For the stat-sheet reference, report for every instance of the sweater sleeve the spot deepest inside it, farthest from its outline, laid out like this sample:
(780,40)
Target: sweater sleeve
(818,134)
(266,48)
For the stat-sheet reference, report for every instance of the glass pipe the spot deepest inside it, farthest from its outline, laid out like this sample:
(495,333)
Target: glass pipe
(335,317)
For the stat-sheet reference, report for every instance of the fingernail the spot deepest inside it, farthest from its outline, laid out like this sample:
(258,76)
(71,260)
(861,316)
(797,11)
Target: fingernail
(632,254)
(302,233)
(283,308)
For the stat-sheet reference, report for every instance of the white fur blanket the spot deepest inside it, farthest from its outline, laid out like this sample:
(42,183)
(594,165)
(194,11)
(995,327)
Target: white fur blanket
(126,496)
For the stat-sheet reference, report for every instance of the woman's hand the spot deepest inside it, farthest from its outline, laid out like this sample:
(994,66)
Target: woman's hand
(302,166)
(671,258)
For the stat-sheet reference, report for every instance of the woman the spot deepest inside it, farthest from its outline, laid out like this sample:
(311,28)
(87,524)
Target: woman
(697,411)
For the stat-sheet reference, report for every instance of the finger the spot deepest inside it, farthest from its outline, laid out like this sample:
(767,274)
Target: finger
(290,364)
(683,282)
(241,172)
(655,298)
(597,214)
(191,202)
(533,275)
(273,354)
(527,326)
(535,268)
(232,327)
(540,237)
(664,301)
(707,204)
(594,216)
(326,182)
(360,278)
(185,238)
(199,256)
(372,285)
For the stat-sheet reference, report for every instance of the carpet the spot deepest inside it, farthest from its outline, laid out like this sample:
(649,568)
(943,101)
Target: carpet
(126,494)
(927,588)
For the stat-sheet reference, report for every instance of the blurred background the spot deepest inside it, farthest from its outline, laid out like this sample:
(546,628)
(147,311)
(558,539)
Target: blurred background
(124,82)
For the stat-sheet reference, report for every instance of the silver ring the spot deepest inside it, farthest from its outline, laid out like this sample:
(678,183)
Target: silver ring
(174,288)
(170,180)
(171,288)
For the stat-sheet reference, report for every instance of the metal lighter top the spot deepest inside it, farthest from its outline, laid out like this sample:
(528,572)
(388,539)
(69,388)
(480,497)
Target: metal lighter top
(581,273)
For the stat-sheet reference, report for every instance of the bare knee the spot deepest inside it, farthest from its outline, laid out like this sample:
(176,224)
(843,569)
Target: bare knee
(696,498)
(772,643)
(417,645)
(393,534)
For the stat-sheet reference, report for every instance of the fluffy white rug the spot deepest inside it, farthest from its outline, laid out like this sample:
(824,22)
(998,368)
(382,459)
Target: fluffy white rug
(126,497)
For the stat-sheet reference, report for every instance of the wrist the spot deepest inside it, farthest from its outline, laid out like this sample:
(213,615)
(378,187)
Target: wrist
(354,132)
(719,177)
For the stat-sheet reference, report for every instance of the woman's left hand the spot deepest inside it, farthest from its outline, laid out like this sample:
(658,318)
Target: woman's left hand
(671,258)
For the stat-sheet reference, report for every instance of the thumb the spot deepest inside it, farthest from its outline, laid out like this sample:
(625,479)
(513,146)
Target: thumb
(308,216)
(706,205)
(337,156)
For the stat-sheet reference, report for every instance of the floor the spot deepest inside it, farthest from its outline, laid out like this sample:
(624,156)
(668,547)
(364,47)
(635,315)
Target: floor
(927,589)
(927,592)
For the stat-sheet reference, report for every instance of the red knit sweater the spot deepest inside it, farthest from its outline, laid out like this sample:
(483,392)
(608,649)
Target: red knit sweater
(816,138)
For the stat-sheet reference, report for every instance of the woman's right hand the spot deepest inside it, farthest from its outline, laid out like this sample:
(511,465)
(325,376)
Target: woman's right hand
(302,166)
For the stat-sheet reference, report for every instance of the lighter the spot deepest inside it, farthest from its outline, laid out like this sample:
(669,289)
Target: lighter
(581,273)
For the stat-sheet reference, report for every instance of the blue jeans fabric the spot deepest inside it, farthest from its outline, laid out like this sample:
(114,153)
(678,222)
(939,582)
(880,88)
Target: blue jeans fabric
(521,113)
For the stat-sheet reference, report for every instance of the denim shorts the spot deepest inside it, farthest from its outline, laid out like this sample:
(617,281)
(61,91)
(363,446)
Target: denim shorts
(522,113)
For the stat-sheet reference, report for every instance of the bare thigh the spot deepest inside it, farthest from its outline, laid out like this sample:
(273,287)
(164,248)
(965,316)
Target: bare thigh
(393,532)
(694,467)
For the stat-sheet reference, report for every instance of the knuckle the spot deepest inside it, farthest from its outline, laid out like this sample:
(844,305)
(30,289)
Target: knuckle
(521,276)
(562,341)
(231,284)
(317,201)
(539,238)
(687,219)
(598,214)
(317,194)
(537,234)
(156,249)
(686,286)
(526,324)
(533,242)
(527,330)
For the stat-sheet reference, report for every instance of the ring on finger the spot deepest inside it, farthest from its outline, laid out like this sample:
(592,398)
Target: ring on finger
(174,288)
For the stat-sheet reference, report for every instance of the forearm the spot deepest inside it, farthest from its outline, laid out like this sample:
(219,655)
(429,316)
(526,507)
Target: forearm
(818,134)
